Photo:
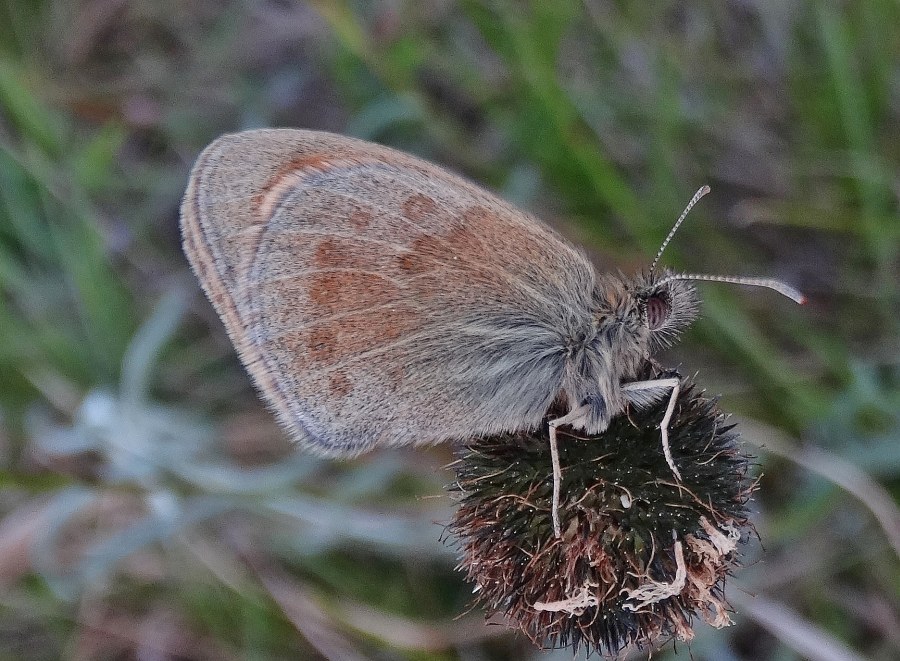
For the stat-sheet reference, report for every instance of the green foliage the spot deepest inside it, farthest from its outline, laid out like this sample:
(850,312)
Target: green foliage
(130,433)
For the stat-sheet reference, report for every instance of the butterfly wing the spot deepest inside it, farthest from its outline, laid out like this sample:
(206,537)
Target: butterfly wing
(377,299)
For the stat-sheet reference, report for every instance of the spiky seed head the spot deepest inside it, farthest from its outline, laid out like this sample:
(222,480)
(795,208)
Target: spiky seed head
(642,556)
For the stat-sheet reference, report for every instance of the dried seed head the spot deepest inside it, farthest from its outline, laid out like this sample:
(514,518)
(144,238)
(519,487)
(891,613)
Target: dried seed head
(642,555)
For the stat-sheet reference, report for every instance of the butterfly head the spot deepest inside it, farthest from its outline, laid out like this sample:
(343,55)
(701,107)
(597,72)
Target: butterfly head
(644,314)
(666,307)
(657,306)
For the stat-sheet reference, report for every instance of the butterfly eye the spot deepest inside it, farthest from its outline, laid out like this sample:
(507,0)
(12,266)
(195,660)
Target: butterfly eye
(657,311)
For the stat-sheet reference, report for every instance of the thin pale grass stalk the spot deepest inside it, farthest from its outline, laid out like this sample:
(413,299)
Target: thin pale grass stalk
(295,600)
(362,526)
(878,613)
(792,629)
(143,351)
(848,476)
(226,568)
(403,633)
(18,530)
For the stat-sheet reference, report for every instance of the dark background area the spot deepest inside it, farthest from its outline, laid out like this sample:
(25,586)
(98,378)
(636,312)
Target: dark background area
(150,508)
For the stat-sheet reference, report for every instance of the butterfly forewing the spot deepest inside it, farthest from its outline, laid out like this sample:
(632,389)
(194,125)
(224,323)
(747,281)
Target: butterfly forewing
(377,299)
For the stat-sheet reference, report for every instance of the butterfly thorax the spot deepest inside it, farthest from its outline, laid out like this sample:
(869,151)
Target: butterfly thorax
(623,339)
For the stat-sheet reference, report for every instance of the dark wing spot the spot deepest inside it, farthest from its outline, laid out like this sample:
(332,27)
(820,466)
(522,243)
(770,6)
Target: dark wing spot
(418,207)
(339,385)
(335,292)
(361,218)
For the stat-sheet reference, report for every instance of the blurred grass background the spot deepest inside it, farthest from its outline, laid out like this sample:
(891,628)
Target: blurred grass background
(149,506)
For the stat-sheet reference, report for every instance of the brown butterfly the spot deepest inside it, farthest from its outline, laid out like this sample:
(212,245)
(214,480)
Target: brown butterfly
(379,300)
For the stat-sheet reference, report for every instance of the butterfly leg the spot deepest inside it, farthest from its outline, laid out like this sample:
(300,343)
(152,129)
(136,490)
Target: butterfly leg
(569,419)
(642,393)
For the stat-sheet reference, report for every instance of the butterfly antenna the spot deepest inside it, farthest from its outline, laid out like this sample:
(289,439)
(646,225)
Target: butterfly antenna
(769,283)
(781,287)
(700,193)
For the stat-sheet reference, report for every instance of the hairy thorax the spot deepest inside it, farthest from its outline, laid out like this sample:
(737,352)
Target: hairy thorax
(609,356)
